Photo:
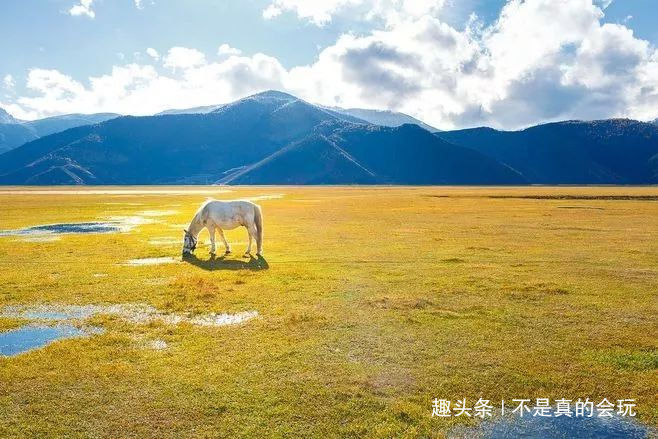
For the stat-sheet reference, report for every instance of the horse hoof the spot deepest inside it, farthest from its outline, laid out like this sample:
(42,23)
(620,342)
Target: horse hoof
(246,255)
(227,252)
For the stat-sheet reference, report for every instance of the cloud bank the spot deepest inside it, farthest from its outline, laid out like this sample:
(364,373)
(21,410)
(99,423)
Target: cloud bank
(541,60)
(83,8)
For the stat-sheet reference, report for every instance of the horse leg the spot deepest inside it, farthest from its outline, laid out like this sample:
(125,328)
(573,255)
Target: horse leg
(251,230)
(221,234)
(211,230)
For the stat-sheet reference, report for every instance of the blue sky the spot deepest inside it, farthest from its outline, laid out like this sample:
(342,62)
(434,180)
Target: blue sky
(453,63)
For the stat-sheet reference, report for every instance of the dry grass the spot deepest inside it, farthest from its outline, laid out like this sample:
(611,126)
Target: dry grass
(376,300)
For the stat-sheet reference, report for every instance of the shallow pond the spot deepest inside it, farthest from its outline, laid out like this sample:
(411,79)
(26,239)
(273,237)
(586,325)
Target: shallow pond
(556,427)
(65,228)
(54,322)
(135,313)
(29,337)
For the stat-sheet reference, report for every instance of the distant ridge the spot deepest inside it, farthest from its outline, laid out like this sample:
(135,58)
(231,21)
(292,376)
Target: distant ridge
(270,137)
(613,151)
(6,118)
(384,117)
(55,124)
(194,110)
(375,117)
(14,132)
(276,138)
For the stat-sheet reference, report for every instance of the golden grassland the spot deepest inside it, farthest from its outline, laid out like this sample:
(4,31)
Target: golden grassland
(373,301)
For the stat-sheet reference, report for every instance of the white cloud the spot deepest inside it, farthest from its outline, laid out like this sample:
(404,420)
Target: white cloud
(53,89)
(183,58)
(271,11)
(542,60)
(225,49)
(141,4)
(83,8)
(141,90)
(321,12)
(8,81)
(153,53)
(318,12)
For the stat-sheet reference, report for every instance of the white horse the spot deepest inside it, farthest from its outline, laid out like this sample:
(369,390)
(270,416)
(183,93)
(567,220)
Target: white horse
(216,215)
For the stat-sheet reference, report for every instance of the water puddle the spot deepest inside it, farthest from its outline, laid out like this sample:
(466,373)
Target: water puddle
(51,232)
(55,322)
(555,427)
(222,319)
(151,261)
(30,337)
(64,228)
(47,312)
(135,313)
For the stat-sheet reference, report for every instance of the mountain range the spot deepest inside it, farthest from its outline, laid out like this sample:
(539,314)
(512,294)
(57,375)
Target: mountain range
(276,138)
(270,137)
(614,151)
(12,132)
(15,132)
(376,117)
(383,117)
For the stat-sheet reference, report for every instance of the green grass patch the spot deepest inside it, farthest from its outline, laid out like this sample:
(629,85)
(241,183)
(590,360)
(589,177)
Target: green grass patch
(9,323)
(640,360)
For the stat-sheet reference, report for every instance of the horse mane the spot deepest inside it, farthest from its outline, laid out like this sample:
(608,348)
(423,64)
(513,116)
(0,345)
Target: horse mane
(198,216)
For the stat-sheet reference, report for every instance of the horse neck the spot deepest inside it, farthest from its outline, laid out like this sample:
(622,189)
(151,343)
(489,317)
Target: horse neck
(195,226)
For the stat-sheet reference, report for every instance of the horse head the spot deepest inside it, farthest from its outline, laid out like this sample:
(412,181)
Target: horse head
(189,243)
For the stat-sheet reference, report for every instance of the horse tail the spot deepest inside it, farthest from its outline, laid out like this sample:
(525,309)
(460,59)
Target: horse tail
(258,220)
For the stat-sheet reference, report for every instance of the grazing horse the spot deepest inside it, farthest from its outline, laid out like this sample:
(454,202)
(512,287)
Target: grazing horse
(216,215)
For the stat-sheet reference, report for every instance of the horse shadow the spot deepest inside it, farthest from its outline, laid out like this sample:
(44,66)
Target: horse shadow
(221,263)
